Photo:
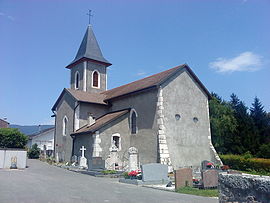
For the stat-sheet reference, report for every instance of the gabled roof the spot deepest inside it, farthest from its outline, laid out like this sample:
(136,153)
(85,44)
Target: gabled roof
(4,121)
(150,82)
(41,132)
(89,49)
(153,81)
(100,122)
(81,96)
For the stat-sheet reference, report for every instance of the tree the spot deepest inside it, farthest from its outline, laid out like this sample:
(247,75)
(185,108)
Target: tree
(12,138)
(223,125)
(260,119)
(245,134)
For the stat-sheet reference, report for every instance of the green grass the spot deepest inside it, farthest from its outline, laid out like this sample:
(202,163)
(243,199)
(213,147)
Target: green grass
(199,192)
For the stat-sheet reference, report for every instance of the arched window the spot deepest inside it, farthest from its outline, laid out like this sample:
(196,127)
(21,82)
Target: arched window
(65,122)
(95,76)
(133,121)
(77,80)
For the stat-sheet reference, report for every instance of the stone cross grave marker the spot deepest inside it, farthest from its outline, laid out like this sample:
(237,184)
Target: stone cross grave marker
(133,158)
(183,177)
(83,160)
(155,173)
(210,178)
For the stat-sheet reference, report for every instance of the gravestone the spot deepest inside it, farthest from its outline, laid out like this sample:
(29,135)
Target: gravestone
(210,178)
(133,159)
(155,173)
(83,160)
(74,159)
(183,177)
(96,163)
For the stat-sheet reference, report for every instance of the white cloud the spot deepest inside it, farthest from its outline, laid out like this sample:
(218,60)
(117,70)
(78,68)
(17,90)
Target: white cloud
(7,16)
(246,61)
(141,73)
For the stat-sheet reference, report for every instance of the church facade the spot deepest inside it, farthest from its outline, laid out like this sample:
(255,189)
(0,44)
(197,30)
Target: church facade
(164,118)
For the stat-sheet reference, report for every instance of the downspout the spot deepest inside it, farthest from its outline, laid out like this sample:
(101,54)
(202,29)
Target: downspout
(54,136)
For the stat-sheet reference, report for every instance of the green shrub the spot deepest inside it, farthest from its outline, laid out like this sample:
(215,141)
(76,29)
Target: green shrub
(12,138)
(34,152)
(106,172)
(264,151)
(125,174)
(243,163)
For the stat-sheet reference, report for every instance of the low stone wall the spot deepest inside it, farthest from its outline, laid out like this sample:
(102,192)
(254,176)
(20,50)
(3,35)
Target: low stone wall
(7,154)
(243,188)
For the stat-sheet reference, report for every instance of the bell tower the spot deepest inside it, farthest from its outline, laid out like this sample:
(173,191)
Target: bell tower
(89,68)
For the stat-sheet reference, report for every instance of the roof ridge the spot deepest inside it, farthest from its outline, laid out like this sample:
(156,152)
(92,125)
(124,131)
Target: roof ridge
(141,84)
(176,67)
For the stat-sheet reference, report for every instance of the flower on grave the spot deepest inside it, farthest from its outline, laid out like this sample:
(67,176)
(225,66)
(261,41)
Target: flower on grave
(133,173)
(196,181)
(210,165)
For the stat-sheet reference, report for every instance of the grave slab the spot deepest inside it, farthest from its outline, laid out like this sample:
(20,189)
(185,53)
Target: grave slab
(183,177)
(210,178)
(155,173)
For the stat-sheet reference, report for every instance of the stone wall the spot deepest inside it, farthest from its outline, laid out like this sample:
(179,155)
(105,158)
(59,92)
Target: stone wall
(243,188)
(7,154)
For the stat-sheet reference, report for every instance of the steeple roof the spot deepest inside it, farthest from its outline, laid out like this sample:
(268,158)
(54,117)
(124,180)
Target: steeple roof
(89,49)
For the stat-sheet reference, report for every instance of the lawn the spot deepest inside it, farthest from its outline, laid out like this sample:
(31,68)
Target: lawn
(199,192)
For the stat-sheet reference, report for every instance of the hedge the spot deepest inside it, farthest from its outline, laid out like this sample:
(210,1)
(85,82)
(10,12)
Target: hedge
(243,163)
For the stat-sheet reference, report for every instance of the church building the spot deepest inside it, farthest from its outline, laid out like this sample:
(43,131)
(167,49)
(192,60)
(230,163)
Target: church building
(163,118)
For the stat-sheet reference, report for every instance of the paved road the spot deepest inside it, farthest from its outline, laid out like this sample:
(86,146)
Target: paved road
(44,183)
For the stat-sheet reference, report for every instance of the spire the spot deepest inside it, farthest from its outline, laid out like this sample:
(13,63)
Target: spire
(89,48)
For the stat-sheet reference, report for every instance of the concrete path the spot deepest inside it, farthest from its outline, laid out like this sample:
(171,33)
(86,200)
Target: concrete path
(44,183)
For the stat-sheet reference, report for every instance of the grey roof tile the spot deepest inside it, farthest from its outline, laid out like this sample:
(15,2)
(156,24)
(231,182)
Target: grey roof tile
(89,48)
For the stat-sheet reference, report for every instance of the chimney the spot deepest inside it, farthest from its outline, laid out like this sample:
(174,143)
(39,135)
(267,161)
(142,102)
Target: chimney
(91,119)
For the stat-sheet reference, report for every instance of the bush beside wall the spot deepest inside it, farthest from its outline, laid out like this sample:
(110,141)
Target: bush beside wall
(244,163)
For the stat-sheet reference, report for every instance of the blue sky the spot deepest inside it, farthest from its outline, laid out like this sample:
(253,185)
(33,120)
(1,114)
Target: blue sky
(226,43)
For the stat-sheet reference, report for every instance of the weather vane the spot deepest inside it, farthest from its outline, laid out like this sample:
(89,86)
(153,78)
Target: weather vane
(90,15)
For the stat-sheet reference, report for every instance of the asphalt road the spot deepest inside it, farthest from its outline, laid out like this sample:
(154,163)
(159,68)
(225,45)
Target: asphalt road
(44,183)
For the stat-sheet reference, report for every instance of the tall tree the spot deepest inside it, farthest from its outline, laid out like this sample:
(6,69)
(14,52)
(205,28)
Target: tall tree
(223,125)
(260,119)
(245,135)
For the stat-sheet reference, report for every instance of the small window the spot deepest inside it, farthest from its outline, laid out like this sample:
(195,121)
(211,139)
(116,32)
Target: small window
(77,80)
(195,119)
(95,79)
(65,122)
(177,117)
(133,123)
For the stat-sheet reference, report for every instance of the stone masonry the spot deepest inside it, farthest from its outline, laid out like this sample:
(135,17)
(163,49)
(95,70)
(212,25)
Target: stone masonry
(162,143)
(243,188)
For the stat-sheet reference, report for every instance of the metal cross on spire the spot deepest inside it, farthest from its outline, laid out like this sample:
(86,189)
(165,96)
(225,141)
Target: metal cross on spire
(90,15)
